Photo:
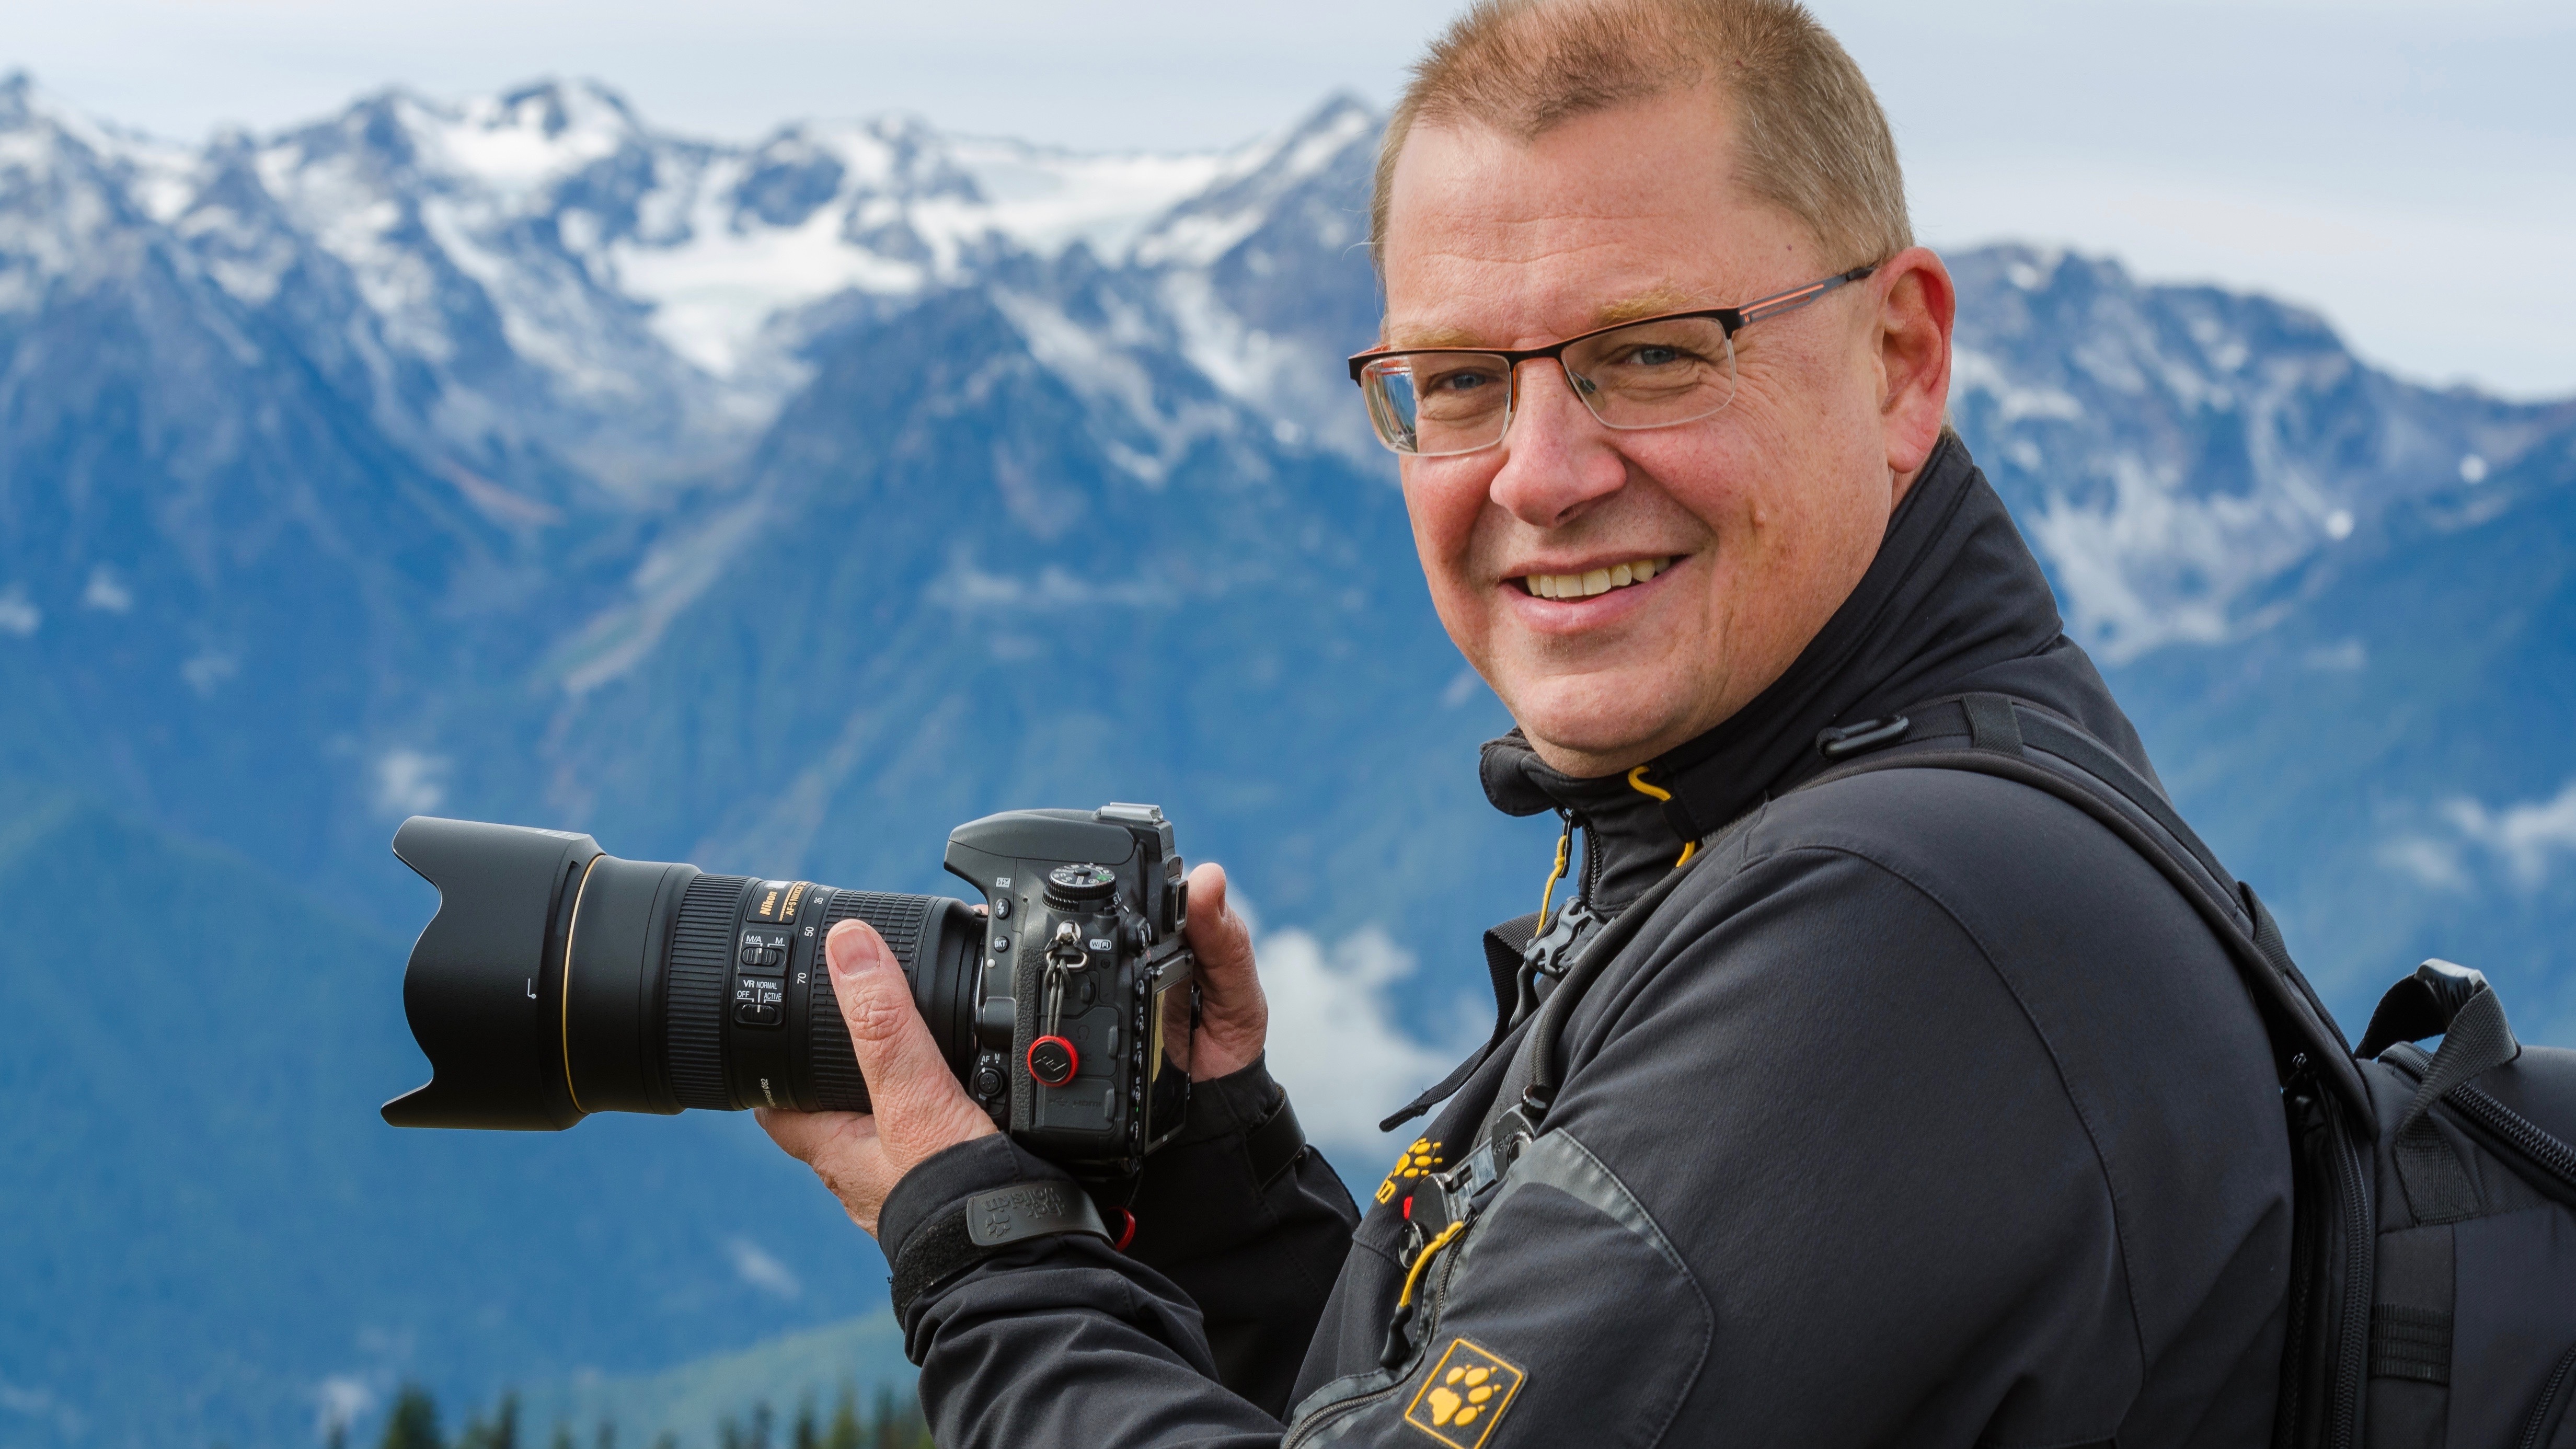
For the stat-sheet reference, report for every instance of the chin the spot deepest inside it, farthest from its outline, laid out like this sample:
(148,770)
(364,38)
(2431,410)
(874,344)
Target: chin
(1599,719)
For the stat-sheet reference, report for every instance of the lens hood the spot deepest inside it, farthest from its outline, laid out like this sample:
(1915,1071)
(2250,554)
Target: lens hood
(482,984)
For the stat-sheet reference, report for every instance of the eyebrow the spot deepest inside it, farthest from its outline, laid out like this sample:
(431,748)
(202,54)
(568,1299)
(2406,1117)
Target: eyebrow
(1653,303)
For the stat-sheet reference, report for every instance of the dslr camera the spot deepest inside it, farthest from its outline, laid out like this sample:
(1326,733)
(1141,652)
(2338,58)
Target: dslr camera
(556,981)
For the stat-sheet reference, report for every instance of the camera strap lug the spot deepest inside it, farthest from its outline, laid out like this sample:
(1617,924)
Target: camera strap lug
(1064,955)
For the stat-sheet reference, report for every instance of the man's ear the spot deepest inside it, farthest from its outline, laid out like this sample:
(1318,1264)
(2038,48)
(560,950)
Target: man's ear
(1917,305)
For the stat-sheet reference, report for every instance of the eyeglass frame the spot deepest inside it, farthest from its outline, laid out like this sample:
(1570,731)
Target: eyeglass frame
(1731,319)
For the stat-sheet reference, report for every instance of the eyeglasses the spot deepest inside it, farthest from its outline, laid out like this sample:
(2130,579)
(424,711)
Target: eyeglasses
(1435,402)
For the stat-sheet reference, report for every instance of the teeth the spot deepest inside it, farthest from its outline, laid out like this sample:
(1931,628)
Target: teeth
(1596,581)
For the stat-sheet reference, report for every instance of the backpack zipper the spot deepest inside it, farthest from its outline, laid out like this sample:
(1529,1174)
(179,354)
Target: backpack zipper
(2527,1137)
(2537,1145)
(2549,1395)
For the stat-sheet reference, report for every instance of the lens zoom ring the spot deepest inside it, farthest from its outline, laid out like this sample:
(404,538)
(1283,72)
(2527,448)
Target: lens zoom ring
(701,960)
(837,1084)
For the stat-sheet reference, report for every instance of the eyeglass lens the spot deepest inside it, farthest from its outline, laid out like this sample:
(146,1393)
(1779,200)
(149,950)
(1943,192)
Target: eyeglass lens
(1655,374)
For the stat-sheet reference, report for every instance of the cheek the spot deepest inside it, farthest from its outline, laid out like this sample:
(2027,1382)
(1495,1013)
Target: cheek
(1443,511)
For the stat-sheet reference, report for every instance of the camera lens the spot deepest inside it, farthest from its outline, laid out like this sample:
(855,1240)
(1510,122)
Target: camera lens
(557,981)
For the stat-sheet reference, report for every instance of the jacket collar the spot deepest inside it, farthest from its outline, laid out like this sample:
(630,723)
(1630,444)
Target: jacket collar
(1953,603)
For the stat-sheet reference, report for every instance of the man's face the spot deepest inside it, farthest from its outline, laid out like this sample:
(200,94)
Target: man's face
(1760,520)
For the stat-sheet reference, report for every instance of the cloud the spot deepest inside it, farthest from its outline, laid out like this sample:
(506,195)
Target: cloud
(409,782)
(2524,839)
(106,593)
(338,1401)
(760,1270)
(17,615)
(208,669)
(1340,1044)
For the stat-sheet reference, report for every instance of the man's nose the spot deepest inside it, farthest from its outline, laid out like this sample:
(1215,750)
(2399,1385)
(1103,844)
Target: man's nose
(1557,457)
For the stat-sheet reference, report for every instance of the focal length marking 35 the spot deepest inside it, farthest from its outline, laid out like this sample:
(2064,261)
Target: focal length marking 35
(1066,1009)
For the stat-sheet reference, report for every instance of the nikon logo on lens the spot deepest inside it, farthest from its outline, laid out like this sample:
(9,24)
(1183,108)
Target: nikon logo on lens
(557,980)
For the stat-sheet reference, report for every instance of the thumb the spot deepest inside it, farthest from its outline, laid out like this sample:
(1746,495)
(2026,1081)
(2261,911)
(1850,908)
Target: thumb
(1234,1017)
(918,1106)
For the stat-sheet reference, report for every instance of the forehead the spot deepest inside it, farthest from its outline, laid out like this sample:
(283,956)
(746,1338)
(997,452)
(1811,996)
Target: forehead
(1496,241)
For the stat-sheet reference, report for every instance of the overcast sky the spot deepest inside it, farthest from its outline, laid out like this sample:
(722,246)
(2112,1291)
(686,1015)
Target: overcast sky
(2406,166)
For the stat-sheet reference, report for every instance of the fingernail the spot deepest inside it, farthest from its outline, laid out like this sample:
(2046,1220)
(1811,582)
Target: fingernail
(849,951)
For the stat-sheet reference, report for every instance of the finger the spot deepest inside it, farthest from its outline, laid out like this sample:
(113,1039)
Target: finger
(1234,1017)
(920,1107)
(806,1135)
(1218,934)
(845,1152)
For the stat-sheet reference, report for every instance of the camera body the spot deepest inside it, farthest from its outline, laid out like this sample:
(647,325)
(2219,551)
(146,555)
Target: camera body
(1086,997)
(557,981)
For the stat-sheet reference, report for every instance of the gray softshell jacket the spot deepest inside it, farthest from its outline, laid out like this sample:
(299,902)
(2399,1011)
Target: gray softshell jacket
(1922,1111)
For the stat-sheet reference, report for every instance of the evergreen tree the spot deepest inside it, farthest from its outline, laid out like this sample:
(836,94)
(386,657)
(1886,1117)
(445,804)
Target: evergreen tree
(563,1435)
(881,1432)
(413,1424)
(606,1438)
(804,1436)
(845,1429)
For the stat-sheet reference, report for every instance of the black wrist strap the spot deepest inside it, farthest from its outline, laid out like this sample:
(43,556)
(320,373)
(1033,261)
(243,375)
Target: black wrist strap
(984,1224)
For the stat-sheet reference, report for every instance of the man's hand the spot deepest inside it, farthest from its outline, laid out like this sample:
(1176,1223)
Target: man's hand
(921,1109)
(1234,1020)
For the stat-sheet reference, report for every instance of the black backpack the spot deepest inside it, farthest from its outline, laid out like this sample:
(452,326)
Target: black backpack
(2433,1279)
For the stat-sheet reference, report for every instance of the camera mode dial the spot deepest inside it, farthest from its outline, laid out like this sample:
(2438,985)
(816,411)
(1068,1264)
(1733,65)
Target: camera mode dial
(1080,887)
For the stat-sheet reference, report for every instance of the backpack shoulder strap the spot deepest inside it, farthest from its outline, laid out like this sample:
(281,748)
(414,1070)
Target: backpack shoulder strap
(1992,734)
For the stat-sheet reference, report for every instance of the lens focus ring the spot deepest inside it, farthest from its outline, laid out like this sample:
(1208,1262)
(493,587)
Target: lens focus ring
(701,958)
(838,1086)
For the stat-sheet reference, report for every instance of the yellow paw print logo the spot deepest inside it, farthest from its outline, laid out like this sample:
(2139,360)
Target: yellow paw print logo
(1464,1395)
(1423,1156)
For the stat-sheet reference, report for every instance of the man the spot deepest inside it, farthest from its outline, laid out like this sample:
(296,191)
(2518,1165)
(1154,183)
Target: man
(1918,1109)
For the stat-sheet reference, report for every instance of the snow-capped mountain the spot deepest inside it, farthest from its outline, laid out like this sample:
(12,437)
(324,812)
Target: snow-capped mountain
(778,505)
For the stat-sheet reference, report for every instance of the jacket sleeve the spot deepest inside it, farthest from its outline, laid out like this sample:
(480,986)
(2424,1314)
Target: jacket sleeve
(1068,1341)
(1252,1229)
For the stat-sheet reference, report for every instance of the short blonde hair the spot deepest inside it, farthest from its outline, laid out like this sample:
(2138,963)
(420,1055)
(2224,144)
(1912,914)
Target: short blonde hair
(1813,140)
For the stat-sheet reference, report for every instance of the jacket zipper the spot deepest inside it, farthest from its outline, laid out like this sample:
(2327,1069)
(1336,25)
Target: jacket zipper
(2353,1342)
(1438,1299)
(2549,1395)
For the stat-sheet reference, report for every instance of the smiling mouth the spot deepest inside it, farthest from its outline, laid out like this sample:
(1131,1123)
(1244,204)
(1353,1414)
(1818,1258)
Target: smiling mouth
(1596,581)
